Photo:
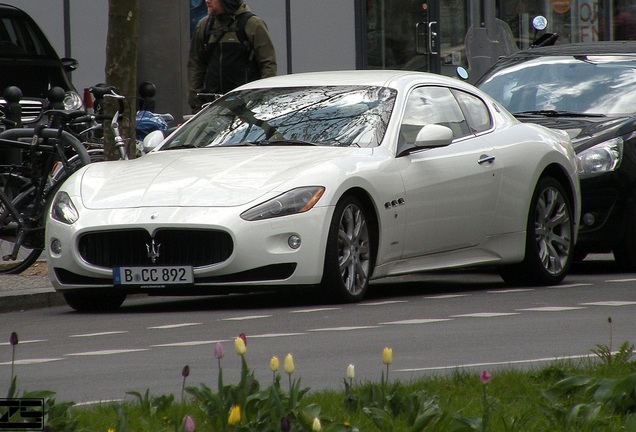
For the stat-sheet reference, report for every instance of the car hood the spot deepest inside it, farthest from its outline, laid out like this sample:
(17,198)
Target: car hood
(200,177)
(585,131)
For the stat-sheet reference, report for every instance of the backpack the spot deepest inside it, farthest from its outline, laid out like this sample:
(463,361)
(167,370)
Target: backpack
(240,31)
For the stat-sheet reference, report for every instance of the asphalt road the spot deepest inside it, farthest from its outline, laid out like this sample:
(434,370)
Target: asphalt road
(434,323)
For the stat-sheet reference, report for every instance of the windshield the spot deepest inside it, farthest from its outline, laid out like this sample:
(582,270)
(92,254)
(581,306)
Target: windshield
(325,116)
(581,84)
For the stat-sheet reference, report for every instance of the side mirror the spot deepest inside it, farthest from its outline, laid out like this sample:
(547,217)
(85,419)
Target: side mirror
(69,64)
(152,140)
(434,135)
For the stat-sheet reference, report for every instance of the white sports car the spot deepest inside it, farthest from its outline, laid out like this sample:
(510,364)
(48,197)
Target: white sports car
(327,180)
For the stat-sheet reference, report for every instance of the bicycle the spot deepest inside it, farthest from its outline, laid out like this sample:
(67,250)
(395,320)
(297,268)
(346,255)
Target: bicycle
(36,163)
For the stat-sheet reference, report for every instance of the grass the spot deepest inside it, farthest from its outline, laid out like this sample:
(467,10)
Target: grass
(592,394)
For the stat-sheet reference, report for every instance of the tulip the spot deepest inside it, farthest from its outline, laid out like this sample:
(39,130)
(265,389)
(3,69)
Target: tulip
(316,427)
(239,346)
(387,356)
(242,336)
(289,364)
(185,371)
(351,372)
(218,351)
(485,377)
(285,426)
(235,415)
(188,424)
(13,340)
(274,364)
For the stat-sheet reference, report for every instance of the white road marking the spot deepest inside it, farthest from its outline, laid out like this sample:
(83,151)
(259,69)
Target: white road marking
(271,335)
(250,317)
(104,401)
(547,359)
(621,280)
(512,290)
(446,296)
(570,285)
(107,352)
(315,310)
(382,303)
(98,334)
(485,315)
(171,326)
(417,321)
(610,303)
(31,361)
(342,328)
(190,343)
(20,342)
(551,309)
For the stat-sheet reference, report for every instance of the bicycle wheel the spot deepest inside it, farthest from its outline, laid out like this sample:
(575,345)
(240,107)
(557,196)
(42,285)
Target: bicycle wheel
(15,195)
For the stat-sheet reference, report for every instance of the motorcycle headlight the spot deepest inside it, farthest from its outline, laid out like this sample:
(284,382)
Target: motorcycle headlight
(72,101)
(601,158)
(63,209)
(297,200)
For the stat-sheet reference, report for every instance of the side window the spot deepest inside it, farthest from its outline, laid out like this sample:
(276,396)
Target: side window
(432,105)
(477,113)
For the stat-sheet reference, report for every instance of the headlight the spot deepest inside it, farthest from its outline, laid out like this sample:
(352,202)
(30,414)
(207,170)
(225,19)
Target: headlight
(603,157)
(72,101)
(291,202)
(63,209)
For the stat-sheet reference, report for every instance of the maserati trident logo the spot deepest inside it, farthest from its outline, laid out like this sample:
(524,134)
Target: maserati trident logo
(153,250)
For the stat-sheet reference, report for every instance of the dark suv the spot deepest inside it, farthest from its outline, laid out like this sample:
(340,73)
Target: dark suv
(29,62)
(589,91)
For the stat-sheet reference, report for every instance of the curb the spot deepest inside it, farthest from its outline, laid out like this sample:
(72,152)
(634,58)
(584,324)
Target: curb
(22,302)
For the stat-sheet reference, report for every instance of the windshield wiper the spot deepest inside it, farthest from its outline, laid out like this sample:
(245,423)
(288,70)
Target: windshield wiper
(282,142)
(555,113)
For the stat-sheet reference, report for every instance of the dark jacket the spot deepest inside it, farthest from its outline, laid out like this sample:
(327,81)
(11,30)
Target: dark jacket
(218,66)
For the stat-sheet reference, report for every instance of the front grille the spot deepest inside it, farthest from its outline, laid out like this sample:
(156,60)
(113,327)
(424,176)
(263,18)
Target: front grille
(31,109)
(174,247)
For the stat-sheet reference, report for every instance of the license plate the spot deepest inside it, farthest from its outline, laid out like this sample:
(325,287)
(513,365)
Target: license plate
(153,276)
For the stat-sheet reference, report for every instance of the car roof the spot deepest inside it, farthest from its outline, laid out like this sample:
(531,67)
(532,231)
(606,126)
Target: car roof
(381,78)
(580,48)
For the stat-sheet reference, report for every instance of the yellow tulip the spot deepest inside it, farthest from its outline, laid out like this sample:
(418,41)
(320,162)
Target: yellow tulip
(274,364)
(387,356)
(239,346)
(316,427)
(235,415)
(289,364)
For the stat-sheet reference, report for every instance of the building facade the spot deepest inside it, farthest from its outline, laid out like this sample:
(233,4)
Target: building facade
(426,35)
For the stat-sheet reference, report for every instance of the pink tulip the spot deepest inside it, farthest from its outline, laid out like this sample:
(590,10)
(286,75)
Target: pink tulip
(188,424)
(218,351)
(485,377)
(242,336)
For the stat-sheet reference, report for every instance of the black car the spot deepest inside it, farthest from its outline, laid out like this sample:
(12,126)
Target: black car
(588,90)
(29,62)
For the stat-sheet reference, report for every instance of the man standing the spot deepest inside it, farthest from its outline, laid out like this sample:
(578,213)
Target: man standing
(230,47)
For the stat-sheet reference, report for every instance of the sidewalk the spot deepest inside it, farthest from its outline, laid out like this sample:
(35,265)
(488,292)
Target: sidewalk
(30,289)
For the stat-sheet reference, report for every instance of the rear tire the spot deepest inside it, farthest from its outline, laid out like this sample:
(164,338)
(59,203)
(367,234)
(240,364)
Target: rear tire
(94,300)
(350,253)
(549,239)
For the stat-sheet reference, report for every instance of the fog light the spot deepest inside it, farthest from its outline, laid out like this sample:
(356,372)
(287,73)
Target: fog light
(56,246)
(589,219)
(293,241)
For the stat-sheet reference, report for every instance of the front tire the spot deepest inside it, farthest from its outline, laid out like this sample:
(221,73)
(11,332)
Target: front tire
(350,253)
(549,239)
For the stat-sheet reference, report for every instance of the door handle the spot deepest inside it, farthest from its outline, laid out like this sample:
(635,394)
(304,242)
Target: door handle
(432,37)
(485,159)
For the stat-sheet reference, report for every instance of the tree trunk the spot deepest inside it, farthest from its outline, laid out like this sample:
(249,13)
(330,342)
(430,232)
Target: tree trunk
(121,71)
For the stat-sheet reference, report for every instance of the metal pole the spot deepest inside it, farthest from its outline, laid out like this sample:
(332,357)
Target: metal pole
(67,28)
(288,35)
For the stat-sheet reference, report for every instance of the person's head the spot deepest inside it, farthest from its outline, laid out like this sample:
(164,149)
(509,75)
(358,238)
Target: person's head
(220,7)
